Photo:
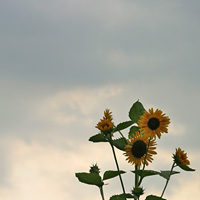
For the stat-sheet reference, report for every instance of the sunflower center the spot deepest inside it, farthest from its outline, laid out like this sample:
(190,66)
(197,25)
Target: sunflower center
(139,148)
(153,123)
(105,125)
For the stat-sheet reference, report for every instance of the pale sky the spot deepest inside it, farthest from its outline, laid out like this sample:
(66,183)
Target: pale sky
(64,62)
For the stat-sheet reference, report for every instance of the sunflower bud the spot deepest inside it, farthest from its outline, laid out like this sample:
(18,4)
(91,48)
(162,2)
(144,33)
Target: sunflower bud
(138,191)
(94,169)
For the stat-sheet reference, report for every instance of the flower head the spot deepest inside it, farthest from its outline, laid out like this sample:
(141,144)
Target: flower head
(137,147)
(180,157)
(94,169)
(138,191)
(154,123)
(106,125)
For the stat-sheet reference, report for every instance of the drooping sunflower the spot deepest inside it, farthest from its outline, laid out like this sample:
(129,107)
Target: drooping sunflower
(137,147)
(180,157)
(154,123)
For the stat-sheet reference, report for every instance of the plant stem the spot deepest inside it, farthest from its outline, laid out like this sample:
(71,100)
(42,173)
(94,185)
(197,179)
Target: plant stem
(168,179)
(101,191)
(113,150)
(136,177)
(121,134)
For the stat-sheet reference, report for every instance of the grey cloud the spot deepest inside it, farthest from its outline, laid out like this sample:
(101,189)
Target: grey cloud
(150,49)
(71,47)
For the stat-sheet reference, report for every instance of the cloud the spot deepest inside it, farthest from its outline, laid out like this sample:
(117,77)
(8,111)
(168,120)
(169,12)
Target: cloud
(67,106)
(67,43)
(184,188)
(176,129)
(48,172)
(118,58)
(64,62)
(36,172)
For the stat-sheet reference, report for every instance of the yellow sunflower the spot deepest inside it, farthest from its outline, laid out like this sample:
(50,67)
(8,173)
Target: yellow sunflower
(136,149)
(180,157)
(105,125)
(154,123)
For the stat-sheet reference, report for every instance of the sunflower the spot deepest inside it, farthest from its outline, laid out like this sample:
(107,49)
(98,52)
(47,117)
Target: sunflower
(105,125)
(180,157)
(137,147)
(154,123)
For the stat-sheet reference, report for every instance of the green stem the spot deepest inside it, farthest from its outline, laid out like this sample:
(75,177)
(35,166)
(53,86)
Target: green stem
(144,161)
(168,179)
(136,177)
(113,150)
(121,134)
(101,191)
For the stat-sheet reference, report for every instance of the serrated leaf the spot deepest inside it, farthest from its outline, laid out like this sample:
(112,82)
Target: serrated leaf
(121,197)
(111,174)
(185,167)
(144,173)
(89,178)
(136,111)
(153,197)
(166,174)
(120,143)
(133,131)
(123,125)
(98,138)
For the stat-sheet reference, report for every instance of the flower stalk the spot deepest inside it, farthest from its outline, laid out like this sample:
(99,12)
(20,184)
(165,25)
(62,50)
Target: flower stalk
(136,177)
(102,194)
(117,165)
(173,165)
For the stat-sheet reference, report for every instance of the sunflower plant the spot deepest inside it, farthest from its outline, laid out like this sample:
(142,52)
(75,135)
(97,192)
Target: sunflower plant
(138,147)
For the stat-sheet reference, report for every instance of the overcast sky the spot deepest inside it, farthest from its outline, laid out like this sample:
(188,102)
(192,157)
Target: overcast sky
(64,62)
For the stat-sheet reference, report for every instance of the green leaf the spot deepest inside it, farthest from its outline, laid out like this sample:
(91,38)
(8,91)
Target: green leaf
(133,131)
(120,143)
(123,125)
(121,197)
(90,178)
(144,173)
(166,174)
(185,167)
(111,174)
(152,197)
(136,111)
(98,138)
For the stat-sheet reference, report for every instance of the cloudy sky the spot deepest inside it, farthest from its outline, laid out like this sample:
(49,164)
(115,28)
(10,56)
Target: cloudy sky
(63,62)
